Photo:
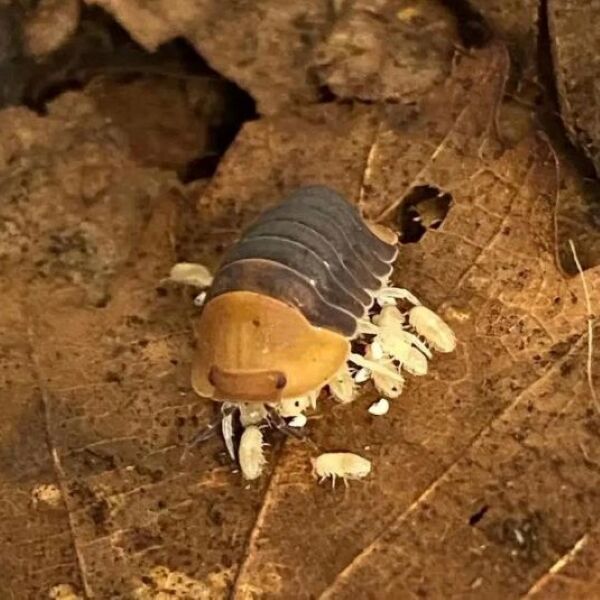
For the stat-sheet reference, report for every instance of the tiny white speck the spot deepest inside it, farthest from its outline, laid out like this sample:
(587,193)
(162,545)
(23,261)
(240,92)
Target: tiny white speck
(519,537)
(199,299)
(380,407)
(298,421)
(376,350)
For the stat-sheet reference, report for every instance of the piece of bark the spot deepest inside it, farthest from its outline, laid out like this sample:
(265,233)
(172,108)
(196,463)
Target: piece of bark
(575,40)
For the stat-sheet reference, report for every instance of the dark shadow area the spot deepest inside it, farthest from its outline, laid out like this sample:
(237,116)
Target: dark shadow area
(424,208)
(472,28)
(551,121)
(101,48)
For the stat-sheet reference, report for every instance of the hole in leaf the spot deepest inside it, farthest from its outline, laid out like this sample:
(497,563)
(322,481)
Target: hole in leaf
(473,29)
(425,207)
(477,516)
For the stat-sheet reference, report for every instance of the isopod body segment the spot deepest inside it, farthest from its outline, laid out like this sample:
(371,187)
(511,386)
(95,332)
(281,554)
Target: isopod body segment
(344,465)
(432,328)
(250,453)
(285,302)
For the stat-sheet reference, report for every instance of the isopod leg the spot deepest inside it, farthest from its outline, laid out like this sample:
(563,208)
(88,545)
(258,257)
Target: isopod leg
(227,429)
(398,294)
(208,432)
(277,421)
(199,299)
(422,346)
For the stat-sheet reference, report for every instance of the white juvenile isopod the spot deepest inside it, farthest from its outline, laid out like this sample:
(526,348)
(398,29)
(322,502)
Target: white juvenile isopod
(389,382)
(393,337)
(250,453)
(200,299)
(298,421)
(340,464)
(432,328)
(342,386)
(379,408)
(227,430)
(292,407)
(415,362)
(362,375)
(193,274)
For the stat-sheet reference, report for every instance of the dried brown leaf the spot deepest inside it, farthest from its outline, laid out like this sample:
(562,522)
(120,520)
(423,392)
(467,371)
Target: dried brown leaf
(287,54)
(485,472)
(455,439)
(575,574)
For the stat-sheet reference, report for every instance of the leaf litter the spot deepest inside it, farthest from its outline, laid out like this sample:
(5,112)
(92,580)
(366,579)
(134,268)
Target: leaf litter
(101,405)
(520,323)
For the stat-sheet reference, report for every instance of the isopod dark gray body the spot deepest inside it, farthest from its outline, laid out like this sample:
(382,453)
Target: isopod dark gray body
(285,302)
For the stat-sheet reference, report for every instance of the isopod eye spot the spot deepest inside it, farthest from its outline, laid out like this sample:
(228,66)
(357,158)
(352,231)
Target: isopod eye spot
(297,404)
(256,322)
(281,381)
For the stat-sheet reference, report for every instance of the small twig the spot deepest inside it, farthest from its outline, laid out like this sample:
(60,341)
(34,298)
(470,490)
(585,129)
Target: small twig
(590,326)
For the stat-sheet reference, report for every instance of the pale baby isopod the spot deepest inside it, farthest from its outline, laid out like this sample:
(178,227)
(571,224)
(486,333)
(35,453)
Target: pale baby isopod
(362,375)
(416,362)
(298,421)
(345,465)
(342,386)
(250,453)
(380,407)
(390,382)
(432,328)
(193,274)
(200,299)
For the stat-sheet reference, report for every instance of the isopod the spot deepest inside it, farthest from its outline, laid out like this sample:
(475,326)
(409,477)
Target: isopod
(250,453)
(284,304)
(298,421)
(343,386)
(432,328)
(192,274)
(379,408)
(277,322)
(345,465)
